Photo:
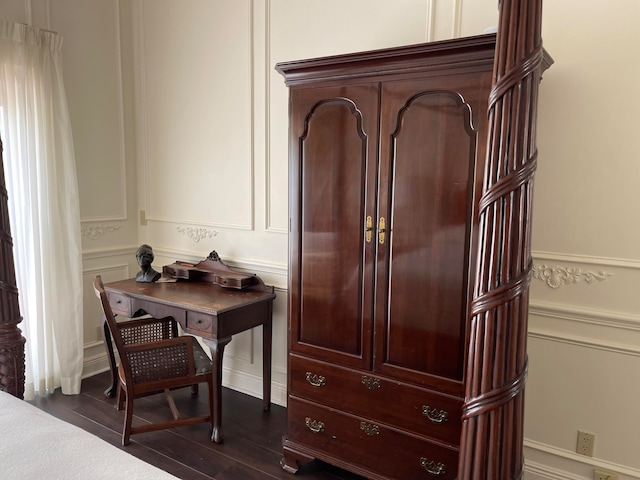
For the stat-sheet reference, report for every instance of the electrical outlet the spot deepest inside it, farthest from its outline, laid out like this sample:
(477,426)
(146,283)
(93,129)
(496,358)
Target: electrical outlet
(143,217)
(602,475)
(586,442)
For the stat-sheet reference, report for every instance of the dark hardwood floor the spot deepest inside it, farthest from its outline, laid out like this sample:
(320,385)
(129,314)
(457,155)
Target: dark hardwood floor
(252,445)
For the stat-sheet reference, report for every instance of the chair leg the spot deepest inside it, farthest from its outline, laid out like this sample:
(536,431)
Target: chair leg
(194,389)
(121,397)
(128,419)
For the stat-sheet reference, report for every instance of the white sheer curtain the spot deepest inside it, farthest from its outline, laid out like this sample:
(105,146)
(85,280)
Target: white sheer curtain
(43,206)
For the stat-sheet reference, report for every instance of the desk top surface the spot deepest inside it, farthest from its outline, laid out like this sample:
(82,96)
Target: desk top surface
(200,296)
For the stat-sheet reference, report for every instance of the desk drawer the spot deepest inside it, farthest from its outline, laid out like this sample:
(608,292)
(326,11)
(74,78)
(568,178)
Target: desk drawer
(333,435)
(199,322)
(411,408)
(120,304)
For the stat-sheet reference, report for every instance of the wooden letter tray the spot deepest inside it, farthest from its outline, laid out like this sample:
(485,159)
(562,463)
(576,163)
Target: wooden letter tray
(214,270)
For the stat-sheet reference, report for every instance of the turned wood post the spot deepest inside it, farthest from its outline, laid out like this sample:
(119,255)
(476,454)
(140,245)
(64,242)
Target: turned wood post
(492,430)
(11,339)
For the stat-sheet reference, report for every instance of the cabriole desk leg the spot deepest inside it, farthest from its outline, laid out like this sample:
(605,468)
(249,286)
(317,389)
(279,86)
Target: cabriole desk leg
(217,351)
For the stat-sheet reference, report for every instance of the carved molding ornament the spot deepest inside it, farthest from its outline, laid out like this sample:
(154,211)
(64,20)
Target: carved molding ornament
(197,234)
(555,276)
(96,231)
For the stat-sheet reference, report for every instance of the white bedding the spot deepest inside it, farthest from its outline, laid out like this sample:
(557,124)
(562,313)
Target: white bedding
(35,445)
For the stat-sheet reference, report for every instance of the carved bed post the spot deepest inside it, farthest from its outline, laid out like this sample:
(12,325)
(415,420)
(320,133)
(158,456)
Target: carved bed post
(11,339)
(492,431)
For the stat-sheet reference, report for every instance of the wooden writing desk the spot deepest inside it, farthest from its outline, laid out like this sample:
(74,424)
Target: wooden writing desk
(203,309)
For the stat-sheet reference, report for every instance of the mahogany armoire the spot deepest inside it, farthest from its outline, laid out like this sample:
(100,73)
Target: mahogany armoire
(410,196)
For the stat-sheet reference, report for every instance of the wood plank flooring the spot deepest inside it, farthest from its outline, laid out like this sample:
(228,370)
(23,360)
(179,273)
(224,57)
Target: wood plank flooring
(252,445)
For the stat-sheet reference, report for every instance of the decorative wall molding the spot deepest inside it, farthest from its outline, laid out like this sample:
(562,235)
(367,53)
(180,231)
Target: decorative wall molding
(197,233)
(99,253)
(121,114)
(550,257)
(556,276)
(430,24)
(270,225)
(120,215)
(549,462)
(96,231)
(142,94)
(587,316)
(457,19)
(601,330)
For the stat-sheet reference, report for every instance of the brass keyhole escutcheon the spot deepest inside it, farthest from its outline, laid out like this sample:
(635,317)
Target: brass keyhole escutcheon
(370,429)
(370,382)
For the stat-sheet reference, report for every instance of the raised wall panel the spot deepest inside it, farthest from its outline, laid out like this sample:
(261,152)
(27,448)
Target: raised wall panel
(195,112)
(93,82)
(16,11)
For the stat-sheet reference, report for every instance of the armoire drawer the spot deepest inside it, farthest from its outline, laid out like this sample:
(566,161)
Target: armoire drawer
(408,407)
(339,437)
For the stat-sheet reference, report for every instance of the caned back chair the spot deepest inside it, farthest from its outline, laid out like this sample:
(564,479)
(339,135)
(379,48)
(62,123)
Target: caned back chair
(154,359)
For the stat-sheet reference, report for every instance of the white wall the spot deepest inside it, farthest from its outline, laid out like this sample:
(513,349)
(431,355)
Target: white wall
(178,112)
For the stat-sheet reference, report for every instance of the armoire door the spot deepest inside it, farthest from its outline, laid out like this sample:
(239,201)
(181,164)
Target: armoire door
(429,144)
(333,186)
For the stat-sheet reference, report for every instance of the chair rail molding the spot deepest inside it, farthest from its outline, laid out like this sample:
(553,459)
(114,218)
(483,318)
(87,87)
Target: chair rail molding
(617,332)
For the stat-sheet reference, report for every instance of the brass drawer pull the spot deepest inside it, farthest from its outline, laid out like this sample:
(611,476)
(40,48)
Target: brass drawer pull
(370,382)
(370,429)
(316,380)
(435,415)
(314,425)
(433,467)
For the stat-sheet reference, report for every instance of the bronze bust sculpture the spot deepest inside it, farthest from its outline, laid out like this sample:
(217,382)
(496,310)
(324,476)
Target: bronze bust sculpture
(145,257)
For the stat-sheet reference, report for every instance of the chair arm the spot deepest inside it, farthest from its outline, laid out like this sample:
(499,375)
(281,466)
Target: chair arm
(161,360)
(147,330)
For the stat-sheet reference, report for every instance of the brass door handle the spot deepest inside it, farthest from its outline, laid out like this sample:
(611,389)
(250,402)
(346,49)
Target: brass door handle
(382,226)
(368,229)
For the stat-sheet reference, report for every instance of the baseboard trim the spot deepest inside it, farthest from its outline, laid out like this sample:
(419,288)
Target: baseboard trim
(544,461)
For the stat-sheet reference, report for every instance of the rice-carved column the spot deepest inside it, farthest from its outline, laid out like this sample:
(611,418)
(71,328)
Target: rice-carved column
(11,339)
(492,431)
